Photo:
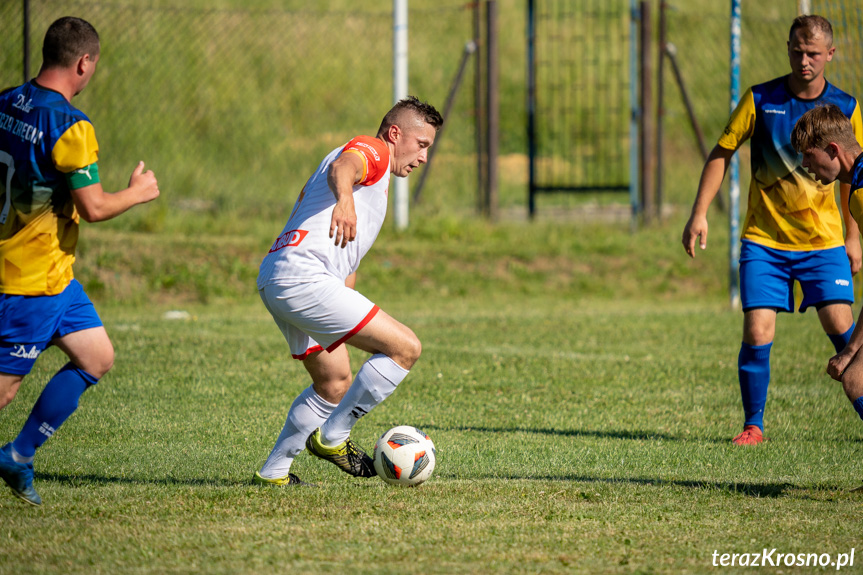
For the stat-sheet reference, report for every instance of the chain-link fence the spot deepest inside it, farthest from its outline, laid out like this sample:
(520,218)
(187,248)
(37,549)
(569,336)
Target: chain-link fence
(846,16)
(581,68)
(233,108)
(701,36)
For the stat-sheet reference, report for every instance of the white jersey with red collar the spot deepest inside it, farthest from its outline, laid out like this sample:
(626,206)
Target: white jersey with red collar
(304,251)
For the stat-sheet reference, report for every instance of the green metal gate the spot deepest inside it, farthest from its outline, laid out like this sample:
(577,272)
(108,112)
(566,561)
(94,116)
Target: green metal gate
(582,128)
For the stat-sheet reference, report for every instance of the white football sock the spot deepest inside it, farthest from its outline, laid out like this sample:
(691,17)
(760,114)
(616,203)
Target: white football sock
(308,412)
(376,380)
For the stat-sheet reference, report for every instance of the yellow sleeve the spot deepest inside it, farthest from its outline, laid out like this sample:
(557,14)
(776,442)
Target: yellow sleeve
(741,125)
(76,149)
(855,206)
(857,123)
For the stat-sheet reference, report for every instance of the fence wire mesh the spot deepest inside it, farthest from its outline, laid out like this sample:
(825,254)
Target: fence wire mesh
(846,16)
(700,33)
(233,108)
(582,95)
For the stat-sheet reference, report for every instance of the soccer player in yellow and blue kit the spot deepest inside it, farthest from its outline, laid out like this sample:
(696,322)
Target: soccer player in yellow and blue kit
(831,152)
(793,227)
(49,179)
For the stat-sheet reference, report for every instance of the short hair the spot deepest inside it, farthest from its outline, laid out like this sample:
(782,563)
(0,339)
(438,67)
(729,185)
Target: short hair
(411,105)
(812,25)
(822,125)
(66,40)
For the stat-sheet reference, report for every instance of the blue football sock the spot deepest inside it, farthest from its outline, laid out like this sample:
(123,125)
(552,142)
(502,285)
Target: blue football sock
(839,341)
(858,406)
(58,401)
(753,369)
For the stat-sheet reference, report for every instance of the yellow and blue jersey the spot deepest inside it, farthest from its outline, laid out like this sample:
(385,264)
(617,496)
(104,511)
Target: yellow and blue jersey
(788,209)
(855,200)
(47,148)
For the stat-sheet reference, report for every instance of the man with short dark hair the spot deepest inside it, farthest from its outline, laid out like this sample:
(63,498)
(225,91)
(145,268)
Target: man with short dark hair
(49,179)
(307,279)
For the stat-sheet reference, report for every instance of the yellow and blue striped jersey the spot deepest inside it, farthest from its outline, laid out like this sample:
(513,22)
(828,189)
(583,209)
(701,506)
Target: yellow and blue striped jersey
(788,209)
(855,200)
(47,148)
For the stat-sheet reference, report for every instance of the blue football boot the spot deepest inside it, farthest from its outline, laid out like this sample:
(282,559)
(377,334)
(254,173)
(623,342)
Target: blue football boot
(18,476)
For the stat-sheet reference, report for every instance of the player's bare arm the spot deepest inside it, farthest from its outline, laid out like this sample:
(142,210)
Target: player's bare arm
(711,179)
(852,231)
(840,362)
(343,174)
(95,205)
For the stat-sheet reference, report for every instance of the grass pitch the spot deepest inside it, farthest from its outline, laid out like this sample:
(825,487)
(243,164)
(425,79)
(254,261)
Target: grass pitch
(579,436)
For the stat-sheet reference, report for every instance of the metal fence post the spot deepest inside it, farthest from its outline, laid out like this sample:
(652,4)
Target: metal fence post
(492,108)
(734,174)
(400,90)
(647,151)
(26,34)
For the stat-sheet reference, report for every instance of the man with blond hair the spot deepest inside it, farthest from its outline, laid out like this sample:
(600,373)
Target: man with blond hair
(831,153)
(793,230)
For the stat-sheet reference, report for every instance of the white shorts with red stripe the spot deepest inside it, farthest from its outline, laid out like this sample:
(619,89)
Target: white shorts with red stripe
(317,315)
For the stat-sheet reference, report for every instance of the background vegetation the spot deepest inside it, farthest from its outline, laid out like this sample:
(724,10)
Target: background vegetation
(578,377)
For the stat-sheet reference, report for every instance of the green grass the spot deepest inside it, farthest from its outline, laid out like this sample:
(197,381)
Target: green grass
(579,380)
(576,430)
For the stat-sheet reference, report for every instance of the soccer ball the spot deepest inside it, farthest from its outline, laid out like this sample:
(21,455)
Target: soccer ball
(404,455)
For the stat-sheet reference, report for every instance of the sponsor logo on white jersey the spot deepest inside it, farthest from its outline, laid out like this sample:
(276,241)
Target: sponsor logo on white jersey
(21,351)
(290,238)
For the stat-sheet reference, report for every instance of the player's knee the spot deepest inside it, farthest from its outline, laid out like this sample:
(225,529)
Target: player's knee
(853,385)
(8,391)
(411,352)
(100,365)
(340,384)
(6,397)
(758,335)
(334,387)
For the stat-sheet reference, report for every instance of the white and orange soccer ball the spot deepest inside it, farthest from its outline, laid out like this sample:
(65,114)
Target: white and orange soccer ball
(405,456)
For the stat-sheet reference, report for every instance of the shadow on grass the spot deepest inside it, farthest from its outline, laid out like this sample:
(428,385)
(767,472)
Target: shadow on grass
(765,490)
(732,487)
(166,481)
(636,435)
(749,489)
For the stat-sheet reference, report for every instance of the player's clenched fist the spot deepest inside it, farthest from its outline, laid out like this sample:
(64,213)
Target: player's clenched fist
(145,183)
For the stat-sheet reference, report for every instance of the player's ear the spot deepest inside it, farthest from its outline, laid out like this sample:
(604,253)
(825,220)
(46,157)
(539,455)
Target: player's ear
(832,150)
(394,133)
(83,64)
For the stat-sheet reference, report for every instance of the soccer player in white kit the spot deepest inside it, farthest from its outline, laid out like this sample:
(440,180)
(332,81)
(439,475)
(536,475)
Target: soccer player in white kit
(307,279)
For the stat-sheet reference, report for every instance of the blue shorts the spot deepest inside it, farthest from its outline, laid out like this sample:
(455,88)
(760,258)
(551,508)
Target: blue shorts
(767,277)
(28,324)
